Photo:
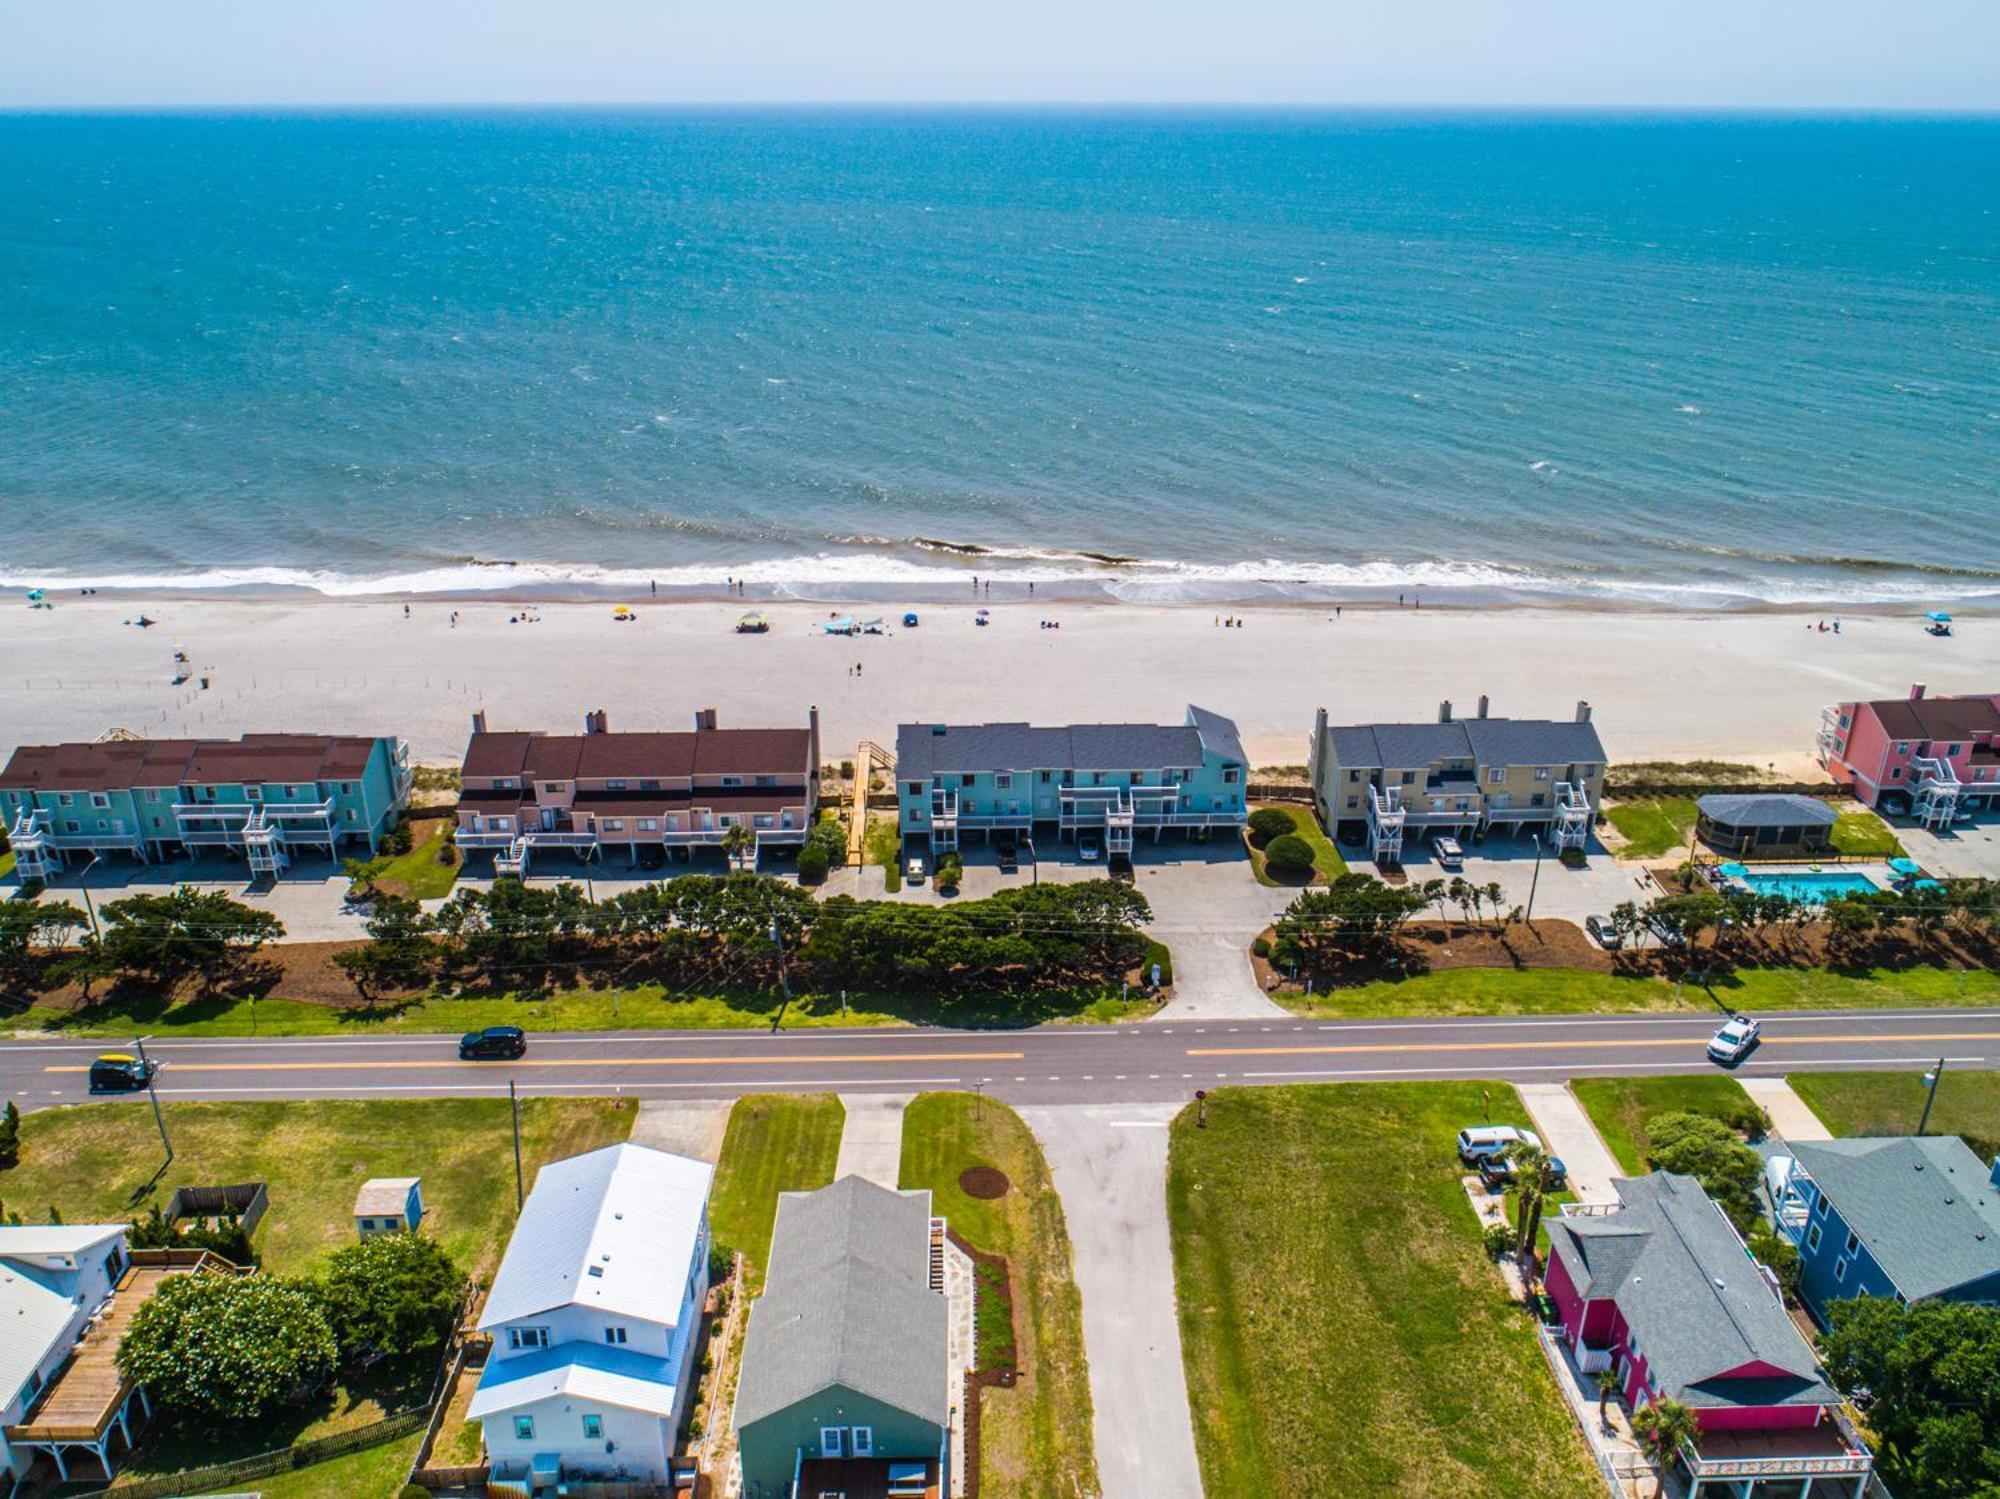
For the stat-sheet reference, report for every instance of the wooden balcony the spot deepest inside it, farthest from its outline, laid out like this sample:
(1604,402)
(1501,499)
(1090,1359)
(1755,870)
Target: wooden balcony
(865,1478)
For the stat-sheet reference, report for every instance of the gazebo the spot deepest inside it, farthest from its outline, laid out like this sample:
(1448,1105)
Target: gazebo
(1765,824)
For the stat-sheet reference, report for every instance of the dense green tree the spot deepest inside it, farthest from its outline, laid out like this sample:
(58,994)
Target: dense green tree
(390,1295)
(1267,823)
(1356,912)
(399,950)
(31,929)
(1931,1373)
(228,1346)
(10,1136)
(1706,1149)
(187,933)
(1288,855)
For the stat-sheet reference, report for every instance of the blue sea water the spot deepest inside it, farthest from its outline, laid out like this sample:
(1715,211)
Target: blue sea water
(1683,360)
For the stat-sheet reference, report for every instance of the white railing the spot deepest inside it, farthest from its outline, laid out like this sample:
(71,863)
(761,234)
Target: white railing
(1571,825)
(1386,815)
(1936,803)
(1826,741)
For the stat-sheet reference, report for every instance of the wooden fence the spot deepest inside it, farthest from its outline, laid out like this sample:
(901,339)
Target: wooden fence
(265,1464)
(246,1202)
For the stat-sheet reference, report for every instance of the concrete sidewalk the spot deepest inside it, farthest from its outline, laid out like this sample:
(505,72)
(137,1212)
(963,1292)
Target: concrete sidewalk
(871,1141)
(1567,1132)
(1110,1167)
(1789,1113)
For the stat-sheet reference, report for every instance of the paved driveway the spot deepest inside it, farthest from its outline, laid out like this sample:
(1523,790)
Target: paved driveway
(1970,850)
(1110,1167)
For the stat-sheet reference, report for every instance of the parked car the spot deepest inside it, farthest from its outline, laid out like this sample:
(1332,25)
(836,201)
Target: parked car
(914,870)
(1484,1141)
(496,1042)
(1731,1043)
(1603,933)
(1007,851)
(1089,848)
(116,1072)
(1449,854)
(1497,1173)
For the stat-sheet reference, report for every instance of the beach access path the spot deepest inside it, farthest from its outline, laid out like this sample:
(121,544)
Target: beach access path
(1664,684)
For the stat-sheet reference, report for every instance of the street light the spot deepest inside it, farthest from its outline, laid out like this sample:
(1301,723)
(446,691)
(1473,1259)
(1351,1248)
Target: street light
(1933,1077)
(83,885)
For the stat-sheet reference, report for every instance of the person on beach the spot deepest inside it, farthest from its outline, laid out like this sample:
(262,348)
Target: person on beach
(654,584)
(406,611)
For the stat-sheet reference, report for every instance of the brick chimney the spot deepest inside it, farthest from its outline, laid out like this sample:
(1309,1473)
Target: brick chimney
(704,719)
(479,720)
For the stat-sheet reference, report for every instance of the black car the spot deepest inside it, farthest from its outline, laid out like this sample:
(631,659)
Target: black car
(116,1072)
(1497,1173)
(1007,852)
(496,1042)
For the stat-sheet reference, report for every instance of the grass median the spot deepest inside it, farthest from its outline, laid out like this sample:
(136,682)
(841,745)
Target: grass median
(1035,1438)
(1342,1329)
(1891,1103)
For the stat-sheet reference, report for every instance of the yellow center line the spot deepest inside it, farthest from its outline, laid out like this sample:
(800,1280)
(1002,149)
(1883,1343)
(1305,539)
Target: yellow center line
(176,1069)
(1402,1046)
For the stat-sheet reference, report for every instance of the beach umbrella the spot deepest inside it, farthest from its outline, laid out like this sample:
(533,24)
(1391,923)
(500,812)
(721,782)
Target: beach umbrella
(984,612)
(1938,617)
(34,595)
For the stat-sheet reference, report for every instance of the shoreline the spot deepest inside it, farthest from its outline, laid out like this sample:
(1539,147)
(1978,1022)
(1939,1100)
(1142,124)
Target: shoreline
(1664,684)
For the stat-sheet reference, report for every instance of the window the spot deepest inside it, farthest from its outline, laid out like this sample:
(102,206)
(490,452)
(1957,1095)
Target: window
(1003,782)
(1812,1237)
(1353,802)
(1896,774)
(367,1225)
(767,780)
(1821,1205)
(1045,778)
(1496,775)
(617,784)
(647,783)
(615,1335)
(64,799)
(524,1428)
(253,793)
(764,820)
(99,799)
(732,780)
(1541,772)
(291,791)
(614,824)
(1231,777)
(527,1337)
(1409,778)
(1903,749)
(864,1441)
(347,788)
(1353,776)
(914,788)
(71,825)
(1840,1268)
(152,796)
(34,1383)
(1853,1242)
(506,783)
(649,824)
(593,1428)
(831,1441)
(965,780)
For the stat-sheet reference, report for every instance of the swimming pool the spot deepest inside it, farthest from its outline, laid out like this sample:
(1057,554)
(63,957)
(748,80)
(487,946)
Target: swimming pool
(1807,887)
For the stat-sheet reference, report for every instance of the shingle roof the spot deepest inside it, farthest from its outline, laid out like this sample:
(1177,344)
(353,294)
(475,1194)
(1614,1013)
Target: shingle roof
(1490,741)
(613,1229)
(1754,810)
(1925,1207)
(925,750)
(1691,1295)
(122,764)
(667,755)
(1946,718)
(847,1301)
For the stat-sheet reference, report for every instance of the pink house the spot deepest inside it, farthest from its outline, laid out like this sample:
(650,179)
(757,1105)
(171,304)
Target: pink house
(1933,758)
(1662,1289)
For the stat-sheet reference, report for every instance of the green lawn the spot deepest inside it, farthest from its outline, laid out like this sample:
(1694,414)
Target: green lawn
(418,873)
(1342,1329)
(883,847)
(1859,831)
(1890,1103)
(6,862)
(1652,826)
(1327,862)
(1561,991)
(96,1162)
(1035,1439)
(776,1142)
(1621,1106)
(371,1471)
(644,1006)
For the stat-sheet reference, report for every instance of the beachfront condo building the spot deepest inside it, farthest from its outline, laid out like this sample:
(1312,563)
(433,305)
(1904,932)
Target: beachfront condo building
(640,792)
(261,797)
(1100,783)
(1458,777)
(1936,759)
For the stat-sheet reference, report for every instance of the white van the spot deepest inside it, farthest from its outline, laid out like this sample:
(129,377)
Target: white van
(1485,1141)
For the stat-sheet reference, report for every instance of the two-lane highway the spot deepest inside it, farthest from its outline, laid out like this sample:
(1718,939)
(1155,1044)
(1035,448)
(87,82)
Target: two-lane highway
(1152,1061)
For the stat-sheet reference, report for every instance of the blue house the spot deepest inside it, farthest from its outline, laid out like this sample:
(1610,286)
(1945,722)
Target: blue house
(260,796)
(1917,1218)
(1100,783)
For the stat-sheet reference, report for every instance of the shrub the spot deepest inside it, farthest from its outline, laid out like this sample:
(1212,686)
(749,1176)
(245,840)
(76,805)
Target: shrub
(10,1136)
(1499,1239)
(228,1346)
(1706,1149)
(1261,947)
(950,871)
(812,864)
(390,1294)
(1289,854)
(1267,823)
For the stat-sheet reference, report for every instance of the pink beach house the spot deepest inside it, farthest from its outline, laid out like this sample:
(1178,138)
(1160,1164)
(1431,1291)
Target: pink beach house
(1933,758)
(1661,1289)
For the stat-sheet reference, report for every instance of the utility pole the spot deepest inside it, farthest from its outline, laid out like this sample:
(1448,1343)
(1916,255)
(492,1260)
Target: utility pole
(784,979)
(83,885)
(159,1117)
(514,1105)
(1535,883)
(1933,1077)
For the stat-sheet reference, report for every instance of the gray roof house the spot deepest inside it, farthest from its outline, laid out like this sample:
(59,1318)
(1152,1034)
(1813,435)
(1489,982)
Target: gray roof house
(1092,781)
(1458,776)
(1742,823)
(845,1374)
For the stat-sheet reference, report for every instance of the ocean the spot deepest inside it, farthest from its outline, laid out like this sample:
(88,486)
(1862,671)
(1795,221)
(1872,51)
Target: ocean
(1700,361)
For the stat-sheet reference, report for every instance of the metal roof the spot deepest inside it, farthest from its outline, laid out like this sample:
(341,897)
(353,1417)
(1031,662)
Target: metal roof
(1766,810)
(924,750)
(613,1229)
(1924,1207)
(384,1194)
(847,1301)
(596,1372)
(39,1239)
(32,1318)
(1691,1295)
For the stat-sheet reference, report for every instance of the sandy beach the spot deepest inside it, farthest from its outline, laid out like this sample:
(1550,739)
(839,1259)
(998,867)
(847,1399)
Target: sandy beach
(1676,685)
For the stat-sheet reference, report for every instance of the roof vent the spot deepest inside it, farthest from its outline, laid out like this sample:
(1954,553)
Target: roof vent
(597,1270)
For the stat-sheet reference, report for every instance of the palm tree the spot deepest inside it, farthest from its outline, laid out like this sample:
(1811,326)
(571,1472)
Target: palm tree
(1607,1386)
(1665,1426)
(736,838)
(1532,1167)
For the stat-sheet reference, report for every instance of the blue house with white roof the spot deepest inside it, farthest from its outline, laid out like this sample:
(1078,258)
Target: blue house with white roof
(1102,780)
(1916,1218)
(595,1314)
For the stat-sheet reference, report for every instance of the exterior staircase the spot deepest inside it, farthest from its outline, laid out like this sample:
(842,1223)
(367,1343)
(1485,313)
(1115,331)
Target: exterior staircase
(867,755)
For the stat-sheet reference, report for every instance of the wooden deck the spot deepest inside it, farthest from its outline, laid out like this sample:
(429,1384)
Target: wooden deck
(861,1478)
(84,1398)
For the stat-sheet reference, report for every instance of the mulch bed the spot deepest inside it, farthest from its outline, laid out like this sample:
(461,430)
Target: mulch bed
(977,1379)
(986,1183)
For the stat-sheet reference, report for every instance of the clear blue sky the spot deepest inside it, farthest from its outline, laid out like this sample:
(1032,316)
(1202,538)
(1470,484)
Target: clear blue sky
(1838,54)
